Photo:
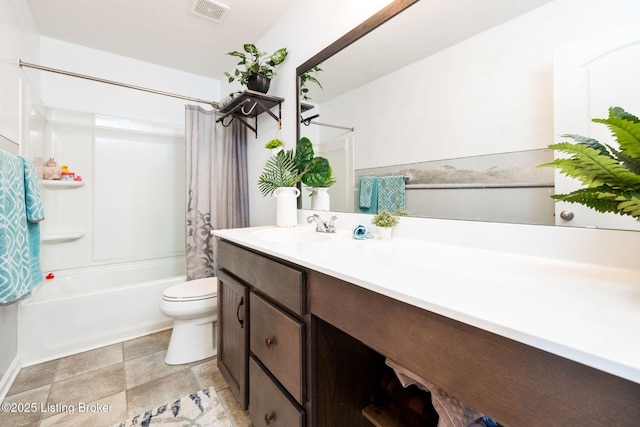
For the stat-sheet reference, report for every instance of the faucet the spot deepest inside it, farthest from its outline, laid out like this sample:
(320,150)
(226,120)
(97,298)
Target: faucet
(322,226)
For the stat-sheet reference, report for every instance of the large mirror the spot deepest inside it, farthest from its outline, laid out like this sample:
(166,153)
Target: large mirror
(457,98)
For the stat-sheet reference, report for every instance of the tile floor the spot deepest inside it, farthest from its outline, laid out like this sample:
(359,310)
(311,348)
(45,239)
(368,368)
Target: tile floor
(128,378)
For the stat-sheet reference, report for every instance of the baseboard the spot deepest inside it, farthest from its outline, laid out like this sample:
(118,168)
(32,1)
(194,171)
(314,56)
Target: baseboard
(7,380)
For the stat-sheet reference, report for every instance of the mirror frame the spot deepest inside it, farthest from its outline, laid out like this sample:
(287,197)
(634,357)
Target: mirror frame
(370,24)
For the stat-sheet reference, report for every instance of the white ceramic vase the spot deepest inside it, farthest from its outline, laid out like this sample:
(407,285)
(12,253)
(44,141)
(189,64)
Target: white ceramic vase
(320,200)
(385,232)
(286,206)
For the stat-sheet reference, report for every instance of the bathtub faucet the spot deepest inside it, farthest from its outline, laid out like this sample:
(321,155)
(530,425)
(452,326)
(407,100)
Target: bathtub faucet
(322,226)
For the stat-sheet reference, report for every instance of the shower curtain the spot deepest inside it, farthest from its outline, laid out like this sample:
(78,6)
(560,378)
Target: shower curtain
(217,187)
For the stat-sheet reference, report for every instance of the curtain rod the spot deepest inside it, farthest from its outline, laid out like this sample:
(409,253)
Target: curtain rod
(308,122)
(111,82)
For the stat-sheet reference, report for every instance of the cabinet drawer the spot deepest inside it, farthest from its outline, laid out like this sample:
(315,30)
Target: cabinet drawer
(281,283)
(276,339)
(268,404)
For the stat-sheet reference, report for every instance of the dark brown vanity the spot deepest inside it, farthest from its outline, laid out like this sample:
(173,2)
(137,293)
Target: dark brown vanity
(302,348)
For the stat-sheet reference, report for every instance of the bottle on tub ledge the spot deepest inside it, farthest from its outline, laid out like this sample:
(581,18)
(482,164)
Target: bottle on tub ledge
(50,170)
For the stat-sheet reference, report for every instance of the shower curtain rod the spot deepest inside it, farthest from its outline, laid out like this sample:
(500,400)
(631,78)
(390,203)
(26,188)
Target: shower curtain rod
(111,82)
(308,122)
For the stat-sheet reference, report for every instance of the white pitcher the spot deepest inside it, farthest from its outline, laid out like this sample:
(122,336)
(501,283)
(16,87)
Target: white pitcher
(286,206)
(320,200)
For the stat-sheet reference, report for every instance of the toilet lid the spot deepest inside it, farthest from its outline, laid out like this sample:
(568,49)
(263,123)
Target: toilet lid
(192,290)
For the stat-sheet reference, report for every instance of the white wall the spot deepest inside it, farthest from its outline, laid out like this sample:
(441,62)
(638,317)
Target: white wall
(19,40)
(70,93)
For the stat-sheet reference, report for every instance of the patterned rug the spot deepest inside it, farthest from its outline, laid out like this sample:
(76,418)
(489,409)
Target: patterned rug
(199,409)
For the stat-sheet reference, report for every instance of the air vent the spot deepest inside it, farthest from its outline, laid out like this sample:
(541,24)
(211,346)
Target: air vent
(211,10)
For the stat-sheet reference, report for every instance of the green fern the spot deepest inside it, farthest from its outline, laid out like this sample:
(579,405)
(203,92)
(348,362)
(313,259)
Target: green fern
(611,176)
(280,170)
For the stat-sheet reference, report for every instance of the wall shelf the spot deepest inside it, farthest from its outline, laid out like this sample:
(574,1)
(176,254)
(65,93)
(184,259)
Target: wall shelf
(53,183)
(62,237)
(251,104)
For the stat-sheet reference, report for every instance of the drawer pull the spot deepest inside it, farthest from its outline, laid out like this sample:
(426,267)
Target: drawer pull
(269,341)
(269,417)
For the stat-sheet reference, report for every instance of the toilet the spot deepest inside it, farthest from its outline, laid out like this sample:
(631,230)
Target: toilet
(194,306)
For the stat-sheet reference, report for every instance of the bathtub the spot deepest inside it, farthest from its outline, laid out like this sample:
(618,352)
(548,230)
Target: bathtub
(87,308)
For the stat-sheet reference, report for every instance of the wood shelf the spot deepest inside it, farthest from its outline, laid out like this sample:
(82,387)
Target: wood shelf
(249,105)
(380,418)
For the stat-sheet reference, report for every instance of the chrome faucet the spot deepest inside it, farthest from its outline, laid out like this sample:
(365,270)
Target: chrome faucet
(322,226)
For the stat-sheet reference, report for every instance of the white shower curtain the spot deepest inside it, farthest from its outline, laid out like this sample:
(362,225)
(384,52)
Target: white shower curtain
(217,188)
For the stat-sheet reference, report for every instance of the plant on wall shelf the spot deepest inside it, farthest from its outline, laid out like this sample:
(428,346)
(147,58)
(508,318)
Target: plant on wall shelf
(255,63)
(308,77)
(611,175)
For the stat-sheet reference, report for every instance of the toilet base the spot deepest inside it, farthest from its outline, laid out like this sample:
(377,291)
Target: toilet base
(192,340)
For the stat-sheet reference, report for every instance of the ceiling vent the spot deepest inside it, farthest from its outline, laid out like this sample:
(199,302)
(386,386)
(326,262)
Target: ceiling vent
(211,10)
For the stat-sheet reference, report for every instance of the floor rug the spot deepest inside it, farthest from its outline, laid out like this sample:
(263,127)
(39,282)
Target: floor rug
(200,409)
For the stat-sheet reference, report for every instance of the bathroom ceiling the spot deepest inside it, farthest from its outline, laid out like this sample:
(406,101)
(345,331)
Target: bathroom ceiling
(164,32)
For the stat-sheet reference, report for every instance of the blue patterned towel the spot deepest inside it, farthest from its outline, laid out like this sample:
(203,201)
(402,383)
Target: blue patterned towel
(391,193)
(19,250)
(33,199)
(368,194)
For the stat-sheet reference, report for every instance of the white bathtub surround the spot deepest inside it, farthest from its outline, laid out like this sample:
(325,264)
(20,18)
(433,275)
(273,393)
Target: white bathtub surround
(552,288)
(85,308)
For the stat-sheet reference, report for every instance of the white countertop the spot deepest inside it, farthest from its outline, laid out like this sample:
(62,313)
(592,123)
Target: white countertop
(583,312)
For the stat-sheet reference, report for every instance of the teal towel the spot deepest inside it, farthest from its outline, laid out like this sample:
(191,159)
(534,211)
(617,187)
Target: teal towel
(35,213)
(19,272)
(391,193)
(368,194)
(33,199)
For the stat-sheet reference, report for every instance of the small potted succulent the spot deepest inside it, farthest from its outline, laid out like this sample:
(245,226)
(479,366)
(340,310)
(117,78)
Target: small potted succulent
(256,68)
(385,221)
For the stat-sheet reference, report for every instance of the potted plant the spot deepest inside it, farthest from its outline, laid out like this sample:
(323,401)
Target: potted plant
(285,169)
(611,175)
(258,68)
(317,174)
(385,221)
(280,177)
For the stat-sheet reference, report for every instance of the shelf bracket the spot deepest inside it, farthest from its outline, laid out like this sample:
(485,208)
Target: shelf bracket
(251,104)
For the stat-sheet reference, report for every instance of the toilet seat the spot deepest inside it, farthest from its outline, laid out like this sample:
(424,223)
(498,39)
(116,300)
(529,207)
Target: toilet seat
(192,290)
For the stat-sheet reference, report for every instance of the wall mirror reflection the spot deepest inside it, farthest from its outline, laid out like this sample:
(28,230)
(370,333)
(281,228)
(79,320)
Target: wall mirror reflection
(462,99)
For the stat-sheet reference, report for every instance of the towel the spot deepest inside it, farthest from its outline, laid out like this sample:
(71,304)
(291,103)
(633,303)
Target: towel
(391,193)
(451,412)
(33,199)
(361,232)
(19,270)
(34,213)
(368,194)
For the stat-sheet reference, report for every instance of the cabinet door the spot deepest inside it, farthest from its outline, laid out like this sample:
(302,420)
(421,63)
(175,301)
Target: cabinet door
(233,328)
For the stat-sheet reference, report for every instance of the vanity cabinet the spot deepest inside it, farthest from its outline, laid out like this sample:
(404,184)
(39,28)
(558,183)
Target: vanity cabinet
(313,347)
(263,324)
